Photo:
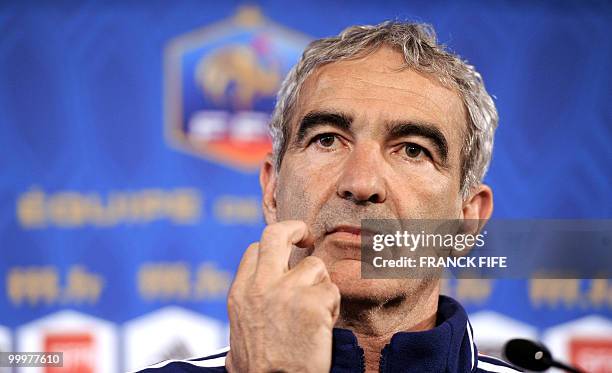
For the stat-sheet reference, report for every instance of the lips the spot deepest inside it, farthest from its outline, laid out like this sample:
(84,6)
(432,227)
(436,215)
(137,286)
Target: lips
(346,229)
(346,241)
(353,230)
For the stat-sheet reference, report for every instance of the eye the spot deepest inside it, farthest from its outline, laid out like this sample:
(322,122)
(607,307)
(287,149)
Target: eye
(413,150)
(325,140)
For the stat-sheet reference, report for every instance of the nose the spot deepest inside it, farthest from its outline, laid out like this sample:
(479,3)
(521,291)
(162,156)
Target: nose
(361,180)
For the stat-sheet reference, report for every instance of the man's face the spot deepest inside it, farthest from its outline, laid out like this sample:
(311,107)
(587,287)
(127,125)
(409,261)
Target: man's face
(368,140)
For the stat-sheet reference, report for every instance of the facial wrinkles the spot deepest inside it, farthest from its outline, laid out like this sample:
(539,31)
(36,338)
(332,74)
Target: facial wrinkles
(375,109)
(342,88)
(323,209)
(400,181)
(313,195)
(364,88)
(370,77)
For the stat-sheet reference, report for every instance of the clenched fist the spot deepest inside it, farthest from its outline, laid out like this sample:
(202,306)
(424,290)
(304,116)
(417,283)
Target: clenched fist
(281,320)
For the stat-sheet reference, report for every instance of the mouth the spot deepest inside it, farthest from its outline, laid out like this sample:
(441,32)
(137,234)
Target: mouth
(349,229)
(347,240)
(349,232)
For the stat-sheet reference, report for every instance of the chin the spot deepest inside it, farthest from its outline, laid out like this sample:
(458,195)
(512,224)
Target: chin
(346,274)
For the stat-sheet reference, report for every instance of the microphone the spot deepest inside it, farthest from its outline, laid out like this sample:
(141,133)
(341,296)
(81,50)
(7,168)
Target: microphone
(533,356)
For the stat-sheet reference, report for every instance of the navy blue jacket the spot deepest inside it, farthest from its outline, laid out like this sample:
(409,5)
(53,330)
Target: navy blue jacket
(448,347)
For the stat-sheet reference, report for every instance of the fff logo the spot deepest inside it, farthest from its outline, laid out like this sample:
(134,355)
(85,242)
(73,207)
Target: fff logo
(221,83)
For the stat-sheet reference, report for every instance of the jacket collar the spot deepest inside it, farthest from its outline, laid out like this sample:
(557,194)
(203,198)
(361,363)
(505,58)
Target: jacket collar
(448,347)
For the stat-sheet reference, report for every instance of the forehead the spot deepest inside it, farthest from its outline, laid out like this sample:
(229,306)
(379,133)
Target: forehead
(377,88)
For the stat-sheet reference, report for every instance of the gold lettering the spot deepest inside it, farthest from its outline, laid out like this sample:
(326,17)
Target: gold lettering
(551,292)
(70,209)
(150,203)
(66,209)
(184,206)
(118,208)
(83,286)
(96,212)
(164,281)
(238,210)
(474,290)
(31,209)
(33,285)
(211,282)
(600,292)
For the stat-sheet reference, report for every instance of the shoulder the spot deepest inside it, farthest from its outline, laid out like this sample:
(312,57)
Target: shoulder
(492,364)
(213,363)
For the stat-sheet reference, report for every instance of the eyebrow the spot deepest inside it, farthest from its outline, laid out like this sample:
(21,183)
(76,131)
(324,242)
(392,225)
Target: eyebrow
(395,129)
(315,119)
(398,130)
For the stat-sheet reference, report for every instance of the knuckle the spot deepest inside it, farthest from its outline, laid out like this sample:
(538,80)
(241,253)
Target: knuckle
(316,265)
(250,253)
(233,300)
(314,262)
(271,230)
(335,291)
(252,247)
(297,223)
(331,291)
(235,287)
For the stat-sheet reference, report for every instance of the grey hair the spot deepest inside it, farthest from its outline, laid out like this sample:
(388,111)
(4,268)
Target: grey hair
(422,53)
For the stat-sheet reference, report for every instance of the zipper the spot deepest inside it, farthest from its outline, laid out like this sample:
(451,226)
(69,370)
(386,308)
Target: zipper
(362,359)
(383,361)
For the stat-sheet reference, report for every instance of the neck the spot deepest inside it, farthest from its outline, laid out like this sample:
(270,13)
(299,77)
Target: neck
(374,323)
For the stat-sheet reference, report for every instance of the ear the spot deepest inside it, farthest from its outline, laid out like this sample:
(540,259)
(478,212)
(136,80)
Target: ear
(479,205)
(267,181)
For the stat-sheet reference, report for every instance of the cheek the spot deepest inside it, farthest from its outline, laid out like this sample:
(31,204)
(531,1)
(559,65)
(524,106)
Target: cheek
(432,196)
(305,183)
(296,196)
(288,207)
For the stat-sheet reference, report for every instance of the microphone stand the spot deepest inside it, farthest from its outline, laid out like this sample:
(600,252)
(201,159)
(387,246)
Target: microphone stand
(560,365)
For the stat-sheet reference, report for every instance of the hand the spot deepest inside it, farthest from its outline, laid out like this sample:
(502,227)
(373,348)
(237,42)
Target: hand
(281,320)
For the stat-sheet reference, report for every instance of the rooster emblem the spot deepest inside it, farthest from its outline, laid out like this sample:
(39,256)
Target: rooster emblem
(236,74)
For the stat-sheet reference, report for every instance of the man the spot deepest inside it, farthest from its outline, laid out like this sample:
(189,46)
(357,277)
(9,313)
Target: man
(379,122)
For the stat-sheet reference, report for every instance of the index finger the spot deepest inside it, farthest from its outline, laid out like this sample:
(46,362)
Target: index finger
(276,244)
(247,266)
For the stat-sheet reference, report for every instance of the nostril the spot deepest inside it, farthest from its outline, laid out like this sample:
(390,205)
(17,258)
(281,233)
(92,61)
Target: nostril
(347,195)
(375,198)
(361,187)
